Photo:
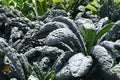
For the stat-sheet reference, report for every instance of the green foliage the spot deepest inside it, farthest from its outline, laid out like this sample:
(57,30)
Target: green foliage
(58,0)
(105,8)
(88,34)
(30,8)
(103,30)
(50,76)
(72,6)
(91,35)
(35,71)
(34,8)
(5,3)
(38,71)
(117,2)
(93,6)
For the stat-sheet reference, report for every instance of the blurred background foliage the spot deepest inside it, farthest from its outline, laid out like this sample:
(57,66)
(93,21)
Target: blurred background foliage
(32,9)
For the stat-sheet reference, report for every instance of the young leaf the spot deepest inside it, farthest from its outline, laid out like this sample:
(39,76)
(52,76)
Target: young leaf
(95,3)
(88,32)
(19,2)
(5,3)
(92,8)
(26,65)
(58,1)
(50,76)
(89,37)
(40,1)
(38,71)
(102,31)
(117,2)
